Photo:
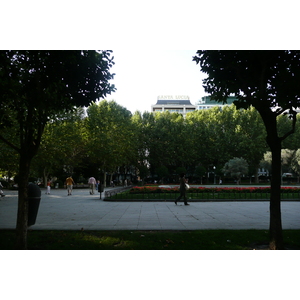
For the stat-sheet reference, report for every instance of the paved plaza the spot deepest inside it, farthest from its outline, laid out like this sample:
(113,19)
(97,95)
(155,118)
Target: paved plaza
(81,210)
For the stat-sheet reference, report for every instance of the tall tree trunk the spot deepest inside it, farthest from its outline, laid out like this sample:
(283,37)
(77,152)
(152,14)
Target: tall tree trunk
(104,179)
(22,217)
(274,142)
(276,238)
(256,175)
(45,174)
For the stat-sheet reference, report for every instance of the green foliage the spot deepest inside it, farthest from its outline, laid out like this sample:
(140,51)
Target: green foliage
(236,167)
(153,141)
(36,86)
(162,172)
(252,76)
(296,162)
(219,135)
(63,145)
(110,135)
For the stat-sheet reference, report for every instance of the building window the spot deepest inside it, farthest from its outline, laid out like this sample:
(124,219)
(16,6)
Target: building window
(174,110)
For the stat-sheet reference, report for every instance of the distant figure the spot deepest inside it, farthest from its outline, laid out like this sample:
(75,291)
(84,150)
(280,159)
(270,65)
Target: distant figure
(70,182)
(92,182)
(220,182)
(125,182)
(48,187)
(182,189)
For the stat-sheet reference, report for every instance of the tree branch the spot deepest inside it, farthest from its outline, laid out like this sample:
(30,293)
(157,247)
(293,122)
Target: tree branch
(9,144)
(294,119)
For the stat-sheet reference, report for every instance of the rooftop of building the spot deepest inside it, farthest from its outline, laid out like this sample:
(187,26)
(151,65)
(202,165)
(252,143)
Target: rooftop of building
(173,102)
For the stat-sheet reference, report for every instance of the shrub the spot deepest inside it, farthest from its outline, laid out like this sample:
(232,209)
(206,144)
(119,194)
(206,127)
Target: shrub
(150,190)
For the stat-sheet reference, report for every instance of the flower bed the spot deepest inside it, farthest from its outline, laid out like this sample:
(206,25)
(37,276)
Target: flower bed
(150,189)
(156,193)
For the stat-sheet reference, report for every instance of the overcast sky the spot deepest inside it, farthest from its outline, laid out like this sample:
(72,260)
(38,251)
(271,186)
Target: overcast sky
(142,76)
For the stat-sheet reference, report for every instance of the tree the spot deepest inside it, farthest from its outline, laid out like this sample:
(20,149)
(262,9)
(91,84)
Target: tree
(236,167)
(110,135)
(63,145)
(220,134)
(287,157)
(9,157)
(284,124)
(202,131)
(34,87)
(268,81)
(141,139)
(165,141)
(200,172)
(296,163)
(252,145)
(162,172)
(266,162)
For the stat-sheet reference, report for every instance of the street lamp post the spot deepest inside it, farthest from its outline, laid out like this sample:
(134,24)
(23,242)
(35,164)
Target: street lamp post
(214,175)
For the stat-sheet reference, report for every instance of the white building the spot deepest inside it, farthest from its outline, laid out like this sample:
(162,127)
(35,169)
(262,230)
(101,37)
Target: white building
(179,104)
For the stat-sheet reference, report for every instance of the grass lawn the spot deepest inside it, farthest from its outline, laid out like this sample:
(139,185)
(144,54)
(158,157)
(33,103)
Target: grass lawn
(148,240)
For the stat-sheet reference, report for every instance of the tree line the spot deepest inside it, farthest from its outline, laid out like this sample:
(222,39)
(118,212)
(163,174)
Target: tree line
(105,138)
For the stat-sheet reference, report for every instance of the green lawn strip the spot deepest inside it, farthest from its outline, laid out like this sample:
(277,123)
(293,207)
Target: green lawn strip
(147,240)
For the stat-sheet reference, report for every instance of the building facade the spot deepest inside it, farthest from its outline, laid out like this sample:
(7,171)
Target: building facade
(179,104)
(206,102)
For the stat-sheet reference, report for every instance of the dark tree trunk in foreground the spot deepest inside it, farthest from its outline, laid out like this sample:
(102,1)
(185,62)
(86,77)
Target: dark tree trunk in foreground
(276,238)
(22,217)
(274,142)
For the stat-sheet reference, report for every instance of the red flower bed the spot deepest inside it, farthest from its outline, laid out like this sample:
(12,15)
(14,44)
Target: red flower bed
(155,189)
(152,189)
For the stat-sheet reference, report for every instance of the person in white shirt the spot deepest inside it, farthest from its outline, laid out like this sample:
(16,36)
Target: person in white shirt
(92,182)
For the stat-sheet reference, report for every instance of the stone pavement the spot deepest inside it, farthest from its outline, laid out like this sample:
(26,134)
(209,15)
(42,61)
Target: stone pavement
(58,211)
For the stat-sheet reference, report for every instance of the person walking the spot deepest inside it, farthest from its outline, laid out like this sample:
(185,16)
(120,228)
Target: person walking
(92,182)
(97,185)
(48,187)
(70,182)
(182,189)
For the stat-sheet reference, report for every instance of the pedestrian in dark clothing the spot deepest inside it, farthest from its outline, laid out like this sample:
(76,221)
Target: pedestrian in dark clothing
(182,189)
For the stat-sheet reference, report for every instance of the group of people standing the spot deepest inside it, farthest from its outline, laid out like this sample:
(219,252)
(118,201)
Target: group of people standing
(92,182)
